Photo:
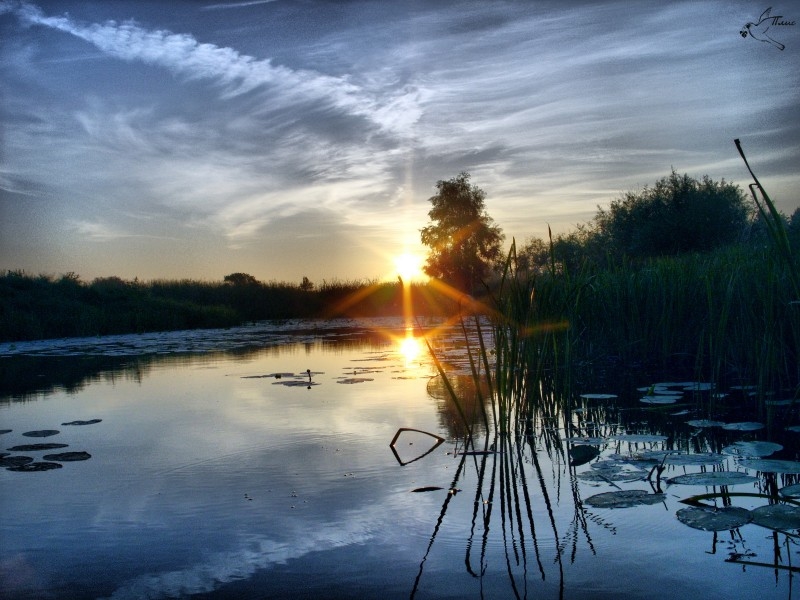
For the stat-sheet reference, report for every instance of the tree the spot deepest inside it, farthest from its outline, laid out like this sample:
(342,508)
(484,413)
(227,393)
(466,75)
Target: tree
(463,239)
(240,279)
(678,214)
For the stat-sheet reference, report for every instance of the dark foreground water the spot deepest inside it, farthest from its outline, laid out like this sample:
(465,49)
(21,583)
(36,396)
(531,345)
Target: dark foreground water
(213,465)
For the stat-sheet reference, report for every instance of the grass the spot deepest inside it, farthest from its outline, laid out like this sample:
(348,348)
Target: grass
(42,307)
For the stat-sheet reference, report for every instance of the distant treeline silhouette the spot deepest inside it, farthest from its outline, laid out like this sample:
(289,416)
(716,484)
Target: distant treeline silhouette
(44,307)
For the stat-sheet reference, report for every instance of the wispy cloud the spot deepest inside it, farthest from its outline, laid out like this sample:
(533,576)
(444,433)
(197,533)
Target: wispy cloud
(236,73)
(236,4)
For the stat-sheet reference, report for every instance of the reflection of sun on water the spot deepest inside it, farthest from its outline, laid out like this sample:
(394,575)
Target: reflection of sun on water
(410,348)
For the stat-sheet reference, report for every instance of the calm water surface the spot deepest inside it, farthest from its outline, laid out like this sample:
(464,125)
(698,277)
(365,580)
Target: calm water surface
(210,477)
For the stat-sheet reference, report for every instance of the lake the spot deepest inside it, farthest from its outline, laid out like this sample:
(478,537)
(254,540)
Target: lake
(324,459)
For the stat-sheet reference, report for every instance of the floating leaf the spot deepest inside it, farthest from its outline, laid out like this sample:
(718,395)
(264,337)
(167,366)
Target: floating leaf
(429,488)
(41,433)
(624,499)
(610,475)
(683,460)
(36,466)
(89,422)
(598,396)
(745,426)
(794,428)
(771,465)
(788,402)
(705,423)
(295,383)
(587,440)
(36,447)
(699,387)
(67,456)
(651,456)
(714,519)
(351,380)
(777,516)
(752,449)
(607,465)
(660,399)
(638,438)
(582,454)
(790,491)
(15,461)
(2,431)
(714,478)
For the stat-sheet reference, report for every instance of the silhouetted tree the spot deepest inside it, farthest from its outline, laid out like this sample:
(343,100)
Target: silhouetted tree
(240,279)
(678,214)
(306,285)
(463,239)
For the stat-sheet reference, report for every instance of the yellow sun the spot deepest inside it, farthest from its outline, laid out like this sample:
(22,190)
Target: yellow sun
(409,266)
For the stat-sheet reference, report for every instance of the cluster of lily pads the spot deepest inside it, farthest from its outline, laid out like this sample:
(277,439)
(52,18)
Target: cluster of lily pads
(781,512)
(26,464)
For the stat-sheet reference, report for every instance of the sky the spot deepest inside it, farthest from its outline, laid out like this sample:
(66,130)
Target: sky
(304,138)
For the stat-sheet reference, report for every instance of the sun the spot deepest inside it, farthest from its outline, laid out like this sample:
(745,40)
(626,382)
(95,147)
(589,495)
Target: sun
(409,266)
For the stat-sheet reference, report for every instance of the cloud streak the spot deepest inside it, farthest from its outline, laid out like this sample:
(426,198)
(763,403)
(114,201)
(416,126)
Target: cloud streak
(234,72)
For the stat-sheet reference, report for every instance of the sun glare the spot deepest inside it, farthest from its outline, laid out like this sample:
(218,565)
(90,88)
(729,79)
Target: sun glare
(409,266)
(410,348)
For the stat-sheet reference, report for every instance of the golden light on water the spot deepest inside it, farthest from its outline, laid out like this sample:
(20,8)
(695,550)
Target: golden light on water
(410,348)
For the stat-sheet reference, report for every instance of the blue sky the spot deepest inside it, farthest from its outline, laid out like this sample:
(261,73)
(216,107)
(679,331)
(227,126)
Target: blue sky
(292,138)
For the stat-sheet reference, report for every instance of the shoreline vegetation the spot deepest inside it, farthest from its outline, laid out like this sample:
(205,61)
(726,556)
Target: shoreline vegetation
(46,307)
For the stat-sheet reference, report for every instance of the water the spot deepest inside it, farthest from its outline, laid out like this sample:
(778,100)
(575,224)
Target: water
(210,477)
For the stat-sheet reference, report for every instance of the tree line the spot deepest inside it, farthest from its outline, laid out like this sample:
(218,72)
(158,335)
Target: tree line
(43,307)
(677,215)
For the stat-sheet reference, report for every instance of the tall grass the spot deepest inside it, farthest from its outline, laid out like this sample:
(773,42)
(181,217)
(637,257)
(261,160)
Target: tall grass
(41,307)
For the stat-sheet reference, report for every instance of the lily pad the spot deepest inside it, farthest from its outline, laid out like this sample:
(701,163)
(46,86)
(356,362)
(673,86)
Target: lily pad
(41,433)
(598,396)
(790,491)
(89,422)
(429,488)
(582,454)
(752,449)
(794,428)
(611,475)
(587,440)
(660,399)
(67,456)
(706,458)
(777,516)
(36,447)
(351,380)
(771,465)
(787,402)
(699,386)
(2,431)
(36,466)
(638,438)
(745,426)
(705,423)
(714,519)
(296,383)
(651,456)
(713,478)
(15,461)
(624,499)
